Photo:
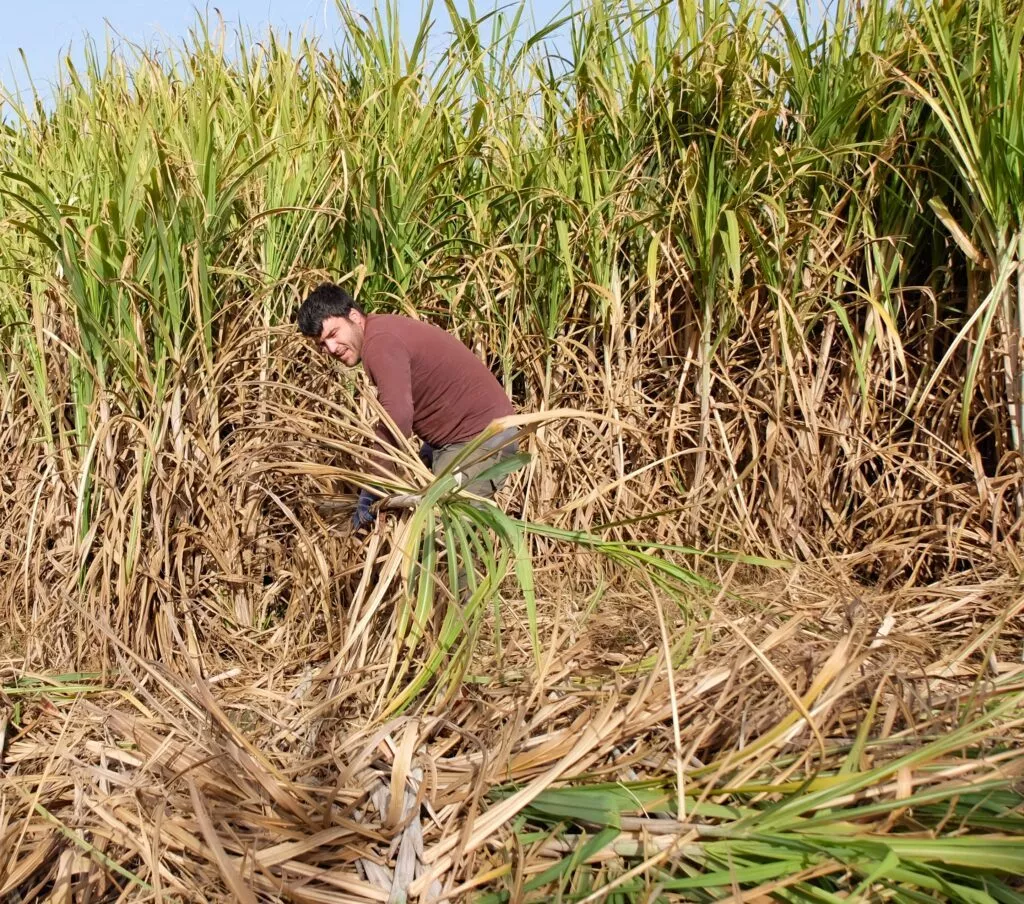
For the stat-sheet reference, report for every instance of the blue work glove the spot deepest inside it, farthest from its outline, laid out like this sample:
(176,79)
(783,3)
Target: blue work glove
(363,517)
(427,455)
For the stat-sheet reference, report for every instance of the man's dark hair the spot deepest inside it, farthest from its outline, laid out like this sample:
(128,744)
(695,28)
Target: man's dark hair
(327,300)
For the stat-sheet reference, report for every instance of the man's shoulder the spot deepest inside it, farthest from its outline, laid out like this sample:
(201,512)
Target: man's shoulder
(383,326)
(385,337)
(386,321)
(400,327)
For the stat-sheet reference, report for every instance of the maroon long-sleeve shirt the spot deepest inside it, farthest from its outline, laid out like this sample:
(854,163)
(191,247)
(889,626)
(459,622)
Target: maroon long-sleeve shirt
(428,381)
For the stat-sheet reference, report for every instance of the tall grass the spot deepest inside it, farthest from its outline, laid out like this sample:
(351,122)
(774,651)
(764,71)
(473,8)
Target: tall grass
(713,213)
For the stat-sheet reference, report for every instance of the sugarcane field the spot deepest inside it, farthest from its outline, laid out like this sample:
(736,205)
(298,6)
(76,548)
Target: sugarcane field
(517,454)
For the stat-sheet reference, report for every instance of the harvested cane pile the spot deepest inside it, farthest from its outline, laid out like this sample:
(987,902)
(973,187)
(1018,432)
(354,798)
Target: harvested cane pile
(277,783)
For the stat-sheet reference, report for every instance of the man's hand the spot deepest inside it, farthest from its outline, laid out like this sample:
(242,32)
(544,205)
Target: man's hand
(363,517)
(427,455)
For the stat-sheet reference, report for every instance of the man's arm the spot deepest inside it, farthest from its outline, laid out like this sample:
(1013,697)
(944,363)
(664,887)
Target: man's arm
(387,364)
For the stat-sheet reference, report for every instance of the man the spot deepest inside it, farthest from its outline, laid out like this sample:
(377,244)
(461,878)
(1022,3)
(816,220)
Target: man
(429,383)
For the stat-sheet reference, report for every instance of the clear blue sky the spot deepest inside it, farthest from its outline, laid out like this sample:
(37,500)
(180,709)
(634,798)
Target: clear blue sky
(46,29)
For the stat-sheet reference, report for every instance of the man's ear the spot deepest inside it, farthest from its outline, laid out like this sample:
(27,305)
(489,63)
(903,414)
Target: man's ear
(357,317)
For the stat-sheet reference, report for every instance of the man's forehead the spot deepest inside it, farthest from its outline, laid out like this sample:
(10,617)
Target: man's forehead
(329,325)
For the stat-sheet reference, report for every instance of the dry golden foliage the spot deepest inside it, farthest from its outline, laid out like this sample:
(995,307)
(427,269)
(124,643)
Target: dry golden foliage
(276,780)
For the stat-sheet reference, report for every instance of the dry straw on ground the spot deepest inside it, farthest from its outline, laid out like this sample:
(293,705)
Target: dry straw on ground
(240,732)
(274,781)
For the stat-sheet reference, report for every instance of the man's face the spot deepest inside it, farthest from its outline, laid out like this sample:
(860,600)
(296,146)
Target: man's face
(342,338)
